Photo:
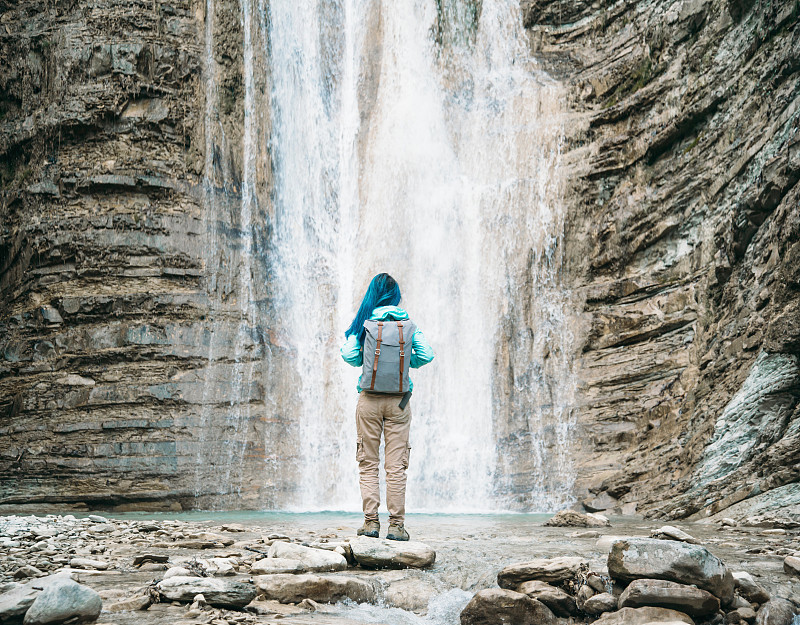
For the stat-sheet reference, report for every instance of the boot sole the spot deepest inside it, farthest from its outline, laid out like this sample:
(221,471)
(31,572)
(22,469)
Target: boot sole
(369,534)
(393,537)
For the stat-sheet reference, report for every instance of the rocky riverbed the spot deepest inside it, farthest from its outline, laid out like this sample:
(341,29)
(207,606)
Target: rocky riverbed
(471,569)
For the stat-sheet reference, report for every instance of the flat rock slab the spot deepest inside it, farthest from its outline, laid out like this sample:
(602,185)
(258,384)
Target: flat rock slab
(318,560)
(378,553)
(651,558)
(88,563)
(549,570)
(269,566)
(559,602)
(218,592)
(669,532)
(497,606)
(64,600)
(643,616)
(665,594)
(570,518)
(288,588)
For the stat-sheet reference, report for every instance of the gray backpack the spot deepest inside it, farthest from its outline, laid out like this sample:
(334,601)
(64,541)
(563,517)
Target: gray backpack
(387,354)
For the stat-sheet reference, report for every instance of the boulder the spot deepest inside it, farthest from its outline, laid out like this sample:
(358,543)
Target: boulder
(218,567)
(776,612)
(64,600)
(550,570)
(496,606)
(268,566)
(15,601)
(668,532)
(218,592)
(651,558)
(178,571)
(288,588)
(88,563)
(559,602)
(748,588)
(597,604)
(570,518)
(312,559)
(410,594)
(665,594)
(741,615)
(642,616)
(131,604)
(791,564)
(378,553)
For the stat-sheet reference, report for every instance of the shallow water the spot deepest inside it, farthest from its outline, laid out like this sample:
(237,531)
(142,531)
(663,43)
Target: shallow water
(471,549)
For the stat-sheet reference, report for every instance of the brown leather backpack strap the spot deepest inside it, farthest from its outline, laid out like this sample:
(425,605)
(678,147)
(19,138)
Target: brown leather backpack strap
(377,355)
(402,352)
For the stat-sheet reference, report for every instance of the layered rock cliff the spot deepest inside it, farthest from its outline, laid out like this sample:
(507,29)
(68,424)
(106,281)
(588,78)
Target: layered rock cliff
(683,248)
(121,269)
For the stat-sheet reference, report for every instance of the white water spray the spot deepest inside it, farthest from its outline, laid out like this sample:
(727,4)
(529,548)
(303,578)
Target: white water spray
(416,137)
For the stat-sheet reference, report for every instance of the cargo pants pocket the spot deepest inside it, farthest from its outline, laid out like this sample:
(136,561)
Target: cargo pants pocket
(359,449)
(406,456)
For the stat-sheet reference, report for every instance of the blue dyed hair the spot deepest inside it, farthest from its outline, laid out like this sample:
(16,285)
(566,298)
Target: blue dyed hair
(382,291)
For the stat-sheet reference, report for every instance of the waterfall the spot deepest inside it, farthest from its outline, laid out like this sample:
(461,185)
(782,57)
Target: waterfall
(417,137)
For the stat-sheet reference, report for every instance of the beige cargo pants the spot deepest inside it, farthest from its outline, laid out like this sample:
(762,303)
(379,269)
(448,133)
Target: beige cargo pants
(378,413)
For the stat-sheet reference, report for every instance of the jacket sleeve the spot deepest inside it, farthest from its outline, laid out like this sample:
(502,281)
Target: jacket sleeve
(352,352)
(421,351)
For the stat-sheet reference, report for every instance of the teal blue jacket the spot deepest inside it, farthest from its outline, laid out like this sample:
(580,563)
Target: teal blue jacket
(421,352)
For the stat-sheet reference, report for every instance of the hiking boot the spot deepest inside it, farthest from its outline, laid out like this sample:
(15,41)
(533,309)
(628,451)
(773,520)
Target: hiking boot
(370,528)
(397,532)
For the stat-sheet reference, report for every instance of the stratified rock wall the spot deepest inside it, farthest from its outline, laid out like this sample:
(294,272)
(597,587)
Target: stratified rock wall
(684,246)
(117,377)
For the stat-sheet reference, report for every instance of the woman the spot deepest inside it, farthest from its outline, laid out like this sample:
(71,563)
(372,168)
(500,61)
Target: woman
(383,390)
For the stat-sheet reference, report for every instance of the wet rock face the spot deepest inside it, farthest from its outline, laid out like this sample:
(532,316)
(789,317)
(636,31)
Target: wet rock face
(114,271)
(650,558)
(682,249)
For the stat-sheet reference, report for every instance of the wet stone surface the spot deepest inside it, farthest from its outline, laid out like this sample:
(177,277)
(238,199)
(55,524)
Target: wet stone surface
(126,560)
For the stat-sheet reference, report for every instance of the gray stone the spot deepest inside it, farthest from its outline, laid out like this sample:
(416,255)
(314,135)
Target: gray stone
(218,592)
(88,563)
(651,558)
(277,565)
(14,602)
(666,594)
(559,602)
(317,560)
(26,571)
(570,518)
(791,565)
(96,518)
(132,604)
(602,602)
(642,616)
(496,606)
(378,553)
(550,570)
(410,594)
(178,571)
(749,589)
(776,612)
(288,588)
(670,532)
(64,600)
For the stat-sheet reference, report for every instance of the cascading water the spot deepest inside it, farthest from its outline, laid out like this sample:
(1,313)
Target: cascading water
(417,137)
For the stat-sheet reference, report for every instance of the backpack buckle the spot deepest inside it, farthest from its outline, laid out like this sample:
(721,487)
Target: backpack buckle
(377,352)
(402,353)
